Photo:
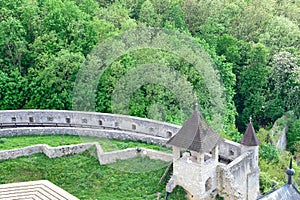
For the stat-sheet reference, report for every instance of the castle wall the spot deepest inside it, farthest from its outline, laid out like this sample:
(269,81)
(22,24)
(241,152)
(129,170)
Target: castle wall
(51,152)
(239,179)
(98,120)
(103,157)
(193,177)
(224,177)
(230,149)
(101,133)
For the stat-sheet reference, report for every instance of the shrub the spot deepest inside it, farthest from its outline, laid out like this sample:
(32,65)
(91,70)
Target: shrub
(293,137)
(269,153)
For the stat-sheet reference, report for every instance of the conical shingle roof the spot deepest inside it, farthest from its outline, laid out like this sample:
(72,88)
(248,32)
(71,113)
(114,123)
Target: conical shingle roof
(250,138)
(196,135)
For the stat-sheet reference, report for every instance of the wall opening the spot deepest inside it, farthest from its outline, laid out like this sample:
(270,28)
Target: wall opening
(50,119)
(231,153)
(84,121)
(31,119)
(208,184)
(169,133)
(133,127)
(13,119)
(68,120)
(100,122)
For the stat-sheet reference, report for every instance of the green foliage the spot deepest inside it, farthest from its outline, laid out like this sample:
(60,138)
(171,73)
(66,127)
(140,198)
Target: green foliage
(58,140)
(281,34)
(44,43)
(293,137)
(267,184)
(269,153)
(148,14)
(252,87)
(93,181)
(284,84)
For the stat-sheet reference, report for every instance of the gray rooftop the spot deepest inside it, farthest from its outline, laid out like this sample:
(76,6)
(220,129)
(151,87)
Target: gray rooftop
(286,192)
(196,135)
(250,138)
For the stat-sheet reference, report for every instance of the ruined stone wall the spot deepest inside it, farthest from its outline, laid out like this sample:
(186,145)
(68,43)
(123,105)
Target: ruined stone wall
(51,152)
(230,149)
(110,157)
(239,179)
(194,176)
(103,157)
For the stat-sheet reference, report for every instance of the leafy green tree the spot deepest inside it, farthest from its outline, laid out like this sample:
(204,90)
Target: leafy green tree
(148,15)
(289,9)
(252,87)
(284,84)
(51,87)
(251,19)
(192,10)
(13,44)
(269,153)
(176,19)
(13,91)
(293,137)
(117,15)
(281,34)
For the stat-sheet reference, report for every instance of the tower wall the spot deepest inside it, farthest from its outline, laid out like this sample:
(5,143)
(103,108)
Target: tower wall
(240,178)
(198,179)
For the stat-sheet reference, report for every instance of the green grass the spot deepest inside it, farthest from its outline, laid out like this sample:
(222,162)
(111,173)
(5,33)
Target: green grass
(82,176)
(58,140)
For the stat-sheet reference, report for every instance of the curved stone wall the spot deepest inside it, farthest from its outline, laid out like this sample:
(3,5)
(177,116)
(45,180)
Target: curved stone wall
(101,133)
(104,125)
(89,119)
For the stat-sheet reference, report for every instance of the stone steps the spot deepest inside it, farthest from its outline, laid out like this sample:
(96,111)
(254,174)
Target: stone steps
(34,190)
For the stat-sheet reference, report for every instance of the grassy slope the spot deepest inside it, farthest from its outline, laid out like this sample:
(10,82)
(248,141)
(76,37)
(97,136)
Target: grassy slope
(82,176)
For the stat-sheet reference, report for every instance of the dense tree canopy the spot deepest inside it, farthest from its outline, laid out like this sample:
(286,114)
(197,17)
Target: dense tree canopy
(254,45)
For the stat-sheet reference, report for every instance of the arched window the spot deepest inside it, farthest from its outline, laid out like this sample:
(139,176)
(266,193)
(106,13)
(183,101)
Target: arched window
(208,184)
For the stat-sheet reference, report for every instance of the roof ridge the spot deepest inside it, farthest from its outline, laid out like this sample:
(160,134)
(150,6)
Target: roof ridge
(196,134)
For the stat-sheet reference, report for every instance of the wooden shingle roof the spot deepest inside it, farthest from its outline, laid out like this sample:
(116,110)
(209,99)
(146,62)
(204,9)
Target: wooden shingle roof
(196,135)
(250,138)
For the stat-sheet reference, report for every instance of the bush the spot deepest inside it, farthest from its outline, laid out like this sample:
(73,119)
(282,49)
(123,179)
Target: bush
(266,183)
(293,137)
(269,153)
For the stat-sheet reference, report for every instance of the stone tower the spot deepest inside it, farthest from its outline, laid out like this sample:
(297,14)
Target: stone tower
(250,143)
(195,158)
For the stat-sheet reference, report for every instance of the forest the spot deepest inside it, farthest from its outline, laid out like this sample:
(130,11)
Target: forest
(254,44)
